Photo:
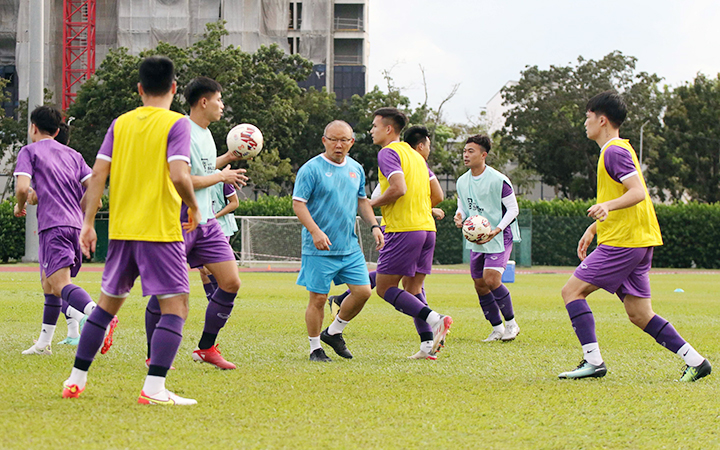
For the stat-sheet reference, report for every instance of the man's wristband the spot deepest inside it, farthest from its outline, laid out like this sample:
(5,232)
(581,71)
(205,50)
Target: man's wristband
(372,227)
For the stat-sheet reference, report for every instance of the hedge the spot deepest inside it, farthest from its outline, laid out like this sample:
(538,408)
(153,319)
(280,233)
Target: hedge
(12,233)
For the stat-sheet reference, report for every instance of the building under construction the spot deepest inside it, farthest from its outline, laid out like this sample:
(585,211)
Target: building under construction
(79,33)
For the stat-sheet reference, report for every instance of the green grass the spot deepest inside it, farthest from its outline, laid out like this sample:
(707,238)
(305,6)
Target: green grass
(476,395)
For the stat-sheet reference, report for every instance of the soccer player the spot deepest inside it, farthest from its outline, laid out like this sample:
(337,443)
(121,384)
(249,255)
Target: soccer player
(484,191)
(417,137)
(207,245)
(59,174)
(146,153)
(627,231)
(405,202)
(333,182)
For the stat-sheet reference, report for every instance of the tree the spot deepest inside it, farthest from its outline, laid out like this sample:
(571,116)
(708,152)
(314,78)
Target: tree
(544,128)
(691,147)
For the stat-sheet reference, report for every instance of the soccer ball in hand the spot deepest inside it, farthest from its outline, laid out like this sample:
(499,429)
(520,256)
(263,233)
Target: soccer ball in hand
(245,141)
(476,229)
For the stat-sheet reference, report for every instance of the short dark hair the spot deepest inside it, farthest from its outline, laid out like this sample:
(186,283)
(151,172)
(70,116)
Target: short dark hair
(609,104)
(157,74)
(46,118)
(415,135)
(63,135)
(393,115)
(199,88)
(481,140)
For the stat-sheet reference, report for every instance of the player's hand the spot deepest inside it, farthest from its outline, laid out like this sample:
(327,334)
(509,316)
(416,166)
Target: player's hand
(234,176)
(598,212)
(584,243)
(458,220)
(438,213)
(88,240)
(19,212)
(320,239)
(490,236)
(32,197)
(194,219)
(379,238)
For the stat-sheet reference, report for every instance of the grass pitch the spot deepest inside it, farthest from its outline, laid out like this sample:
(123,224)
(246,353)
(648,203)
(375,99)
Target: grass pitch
(476,395)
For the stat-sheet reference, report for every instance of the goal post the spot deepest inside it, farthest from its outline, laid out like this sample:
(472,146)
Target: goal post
(278,240)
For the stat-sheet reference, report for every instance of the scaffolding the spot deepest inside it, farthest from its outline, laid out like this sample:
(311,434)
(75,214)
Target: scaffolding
(78,47)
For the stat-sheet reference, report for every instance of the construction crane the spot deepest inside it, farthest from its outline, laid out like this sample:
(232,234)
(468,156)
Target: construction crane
(78,47)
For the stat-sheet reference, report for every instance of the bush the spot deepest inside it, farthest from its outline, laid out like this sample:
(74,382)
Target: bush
(12,232)
(266,206)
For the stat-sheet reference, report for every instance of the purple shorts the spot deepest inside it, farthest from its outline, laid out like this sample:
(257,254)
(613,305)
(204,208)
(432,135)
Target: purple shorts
(160,265)
(407,253)
(60,248)
(618,270)
(494,261)
(207,244)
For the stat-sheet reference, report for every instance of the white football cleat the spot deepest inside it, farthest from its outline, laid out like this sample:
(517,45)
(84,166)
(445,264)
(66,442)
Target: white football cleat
(511,332)
(494,336)
(424,355)
(440,331)
(164,398)
(35,350)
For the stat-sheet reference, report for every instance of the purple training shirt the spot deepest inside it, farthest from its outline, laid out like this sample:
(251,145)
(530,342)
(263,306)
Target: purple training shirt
(177,142)
(389,163)
(618,163)
(57,174)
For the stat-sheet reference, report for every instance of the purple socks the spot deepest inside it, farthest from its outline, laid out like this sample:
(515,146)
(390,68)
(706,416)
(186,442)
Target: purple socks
(405,302)
(216,316)
(152,316)
(582,320)
(664,333)
(423,328)
(165,343)
(76,297)
(490,308)
(52,308)
(504,302)
(92,338)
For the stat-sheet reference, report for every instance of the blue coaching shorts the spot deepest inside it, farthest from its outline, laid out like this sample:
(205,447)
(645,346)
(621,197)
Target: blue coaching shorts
(317,272)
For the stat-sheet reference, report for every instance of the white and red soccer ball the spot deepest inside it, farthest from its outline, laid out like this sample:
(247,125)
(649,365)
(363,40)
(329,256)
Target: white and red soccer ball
(245,141)
(476,229)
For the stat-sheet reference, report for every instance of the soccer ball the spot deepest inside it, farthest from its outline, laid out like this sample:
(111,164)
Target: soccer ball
(476,229)
(245,141)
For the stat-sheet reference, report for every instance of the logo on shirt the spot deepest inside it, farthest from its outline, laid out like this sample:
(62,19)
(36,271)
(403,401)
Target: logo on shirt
(328,174)
(353,175)
(473,206)
(583,266)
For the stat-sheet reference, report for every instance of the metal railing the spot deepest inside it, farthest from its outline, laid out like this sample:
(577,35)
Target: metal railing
(348,60)
(353,24)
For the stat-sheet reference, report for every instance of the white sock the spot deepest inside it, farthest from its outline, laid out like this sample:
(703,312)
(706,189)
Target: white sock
(591,352)
(433,318)
(89,308)
(73,328)
(499,328)
(154,385)
(46,335)
(337,326)
(510,322)
(74,313)
(691,357)
(426,346)
(78,377)
(314,343)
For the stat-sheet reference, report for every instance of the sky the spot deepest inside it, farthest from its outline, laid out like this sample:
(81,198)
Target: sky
(482,44)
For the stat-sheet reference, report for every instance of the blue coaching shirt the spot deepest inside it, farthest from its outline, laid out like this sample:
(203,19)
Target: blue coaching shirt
(331,192)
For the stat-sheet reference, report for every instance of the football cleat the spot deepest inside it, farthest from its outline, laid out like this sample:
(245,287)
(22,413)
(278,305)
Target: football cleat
(424,355)
(334,302)
(695,373)
(212,356)
(109,335)
(585,370)
(70,341)
(166,398)
(494,336)
(147,364)
(511,332)
(35,350)
(319,355)
(440,331)
(337,343)
(71,390)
